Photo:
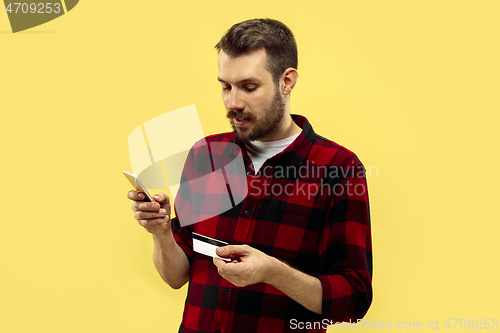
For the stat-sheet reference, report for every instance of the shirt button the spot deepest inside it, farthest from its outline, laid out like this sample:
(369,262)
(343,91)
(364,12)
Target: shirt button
(247,212)
(225,291)
(249,174)
(218,331)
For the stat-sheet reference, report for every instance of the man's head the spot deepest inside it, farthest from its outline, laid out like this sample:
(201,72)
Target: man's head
(257,70)
(271,35)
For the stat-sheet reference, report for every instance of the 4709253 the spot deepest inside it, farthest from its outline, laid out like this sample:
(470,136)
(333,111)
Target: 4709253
(33,8)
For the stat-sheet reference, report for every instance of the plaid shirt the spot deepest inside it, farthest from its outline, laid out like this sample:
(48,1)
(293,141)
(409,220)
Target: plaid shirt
(315,218)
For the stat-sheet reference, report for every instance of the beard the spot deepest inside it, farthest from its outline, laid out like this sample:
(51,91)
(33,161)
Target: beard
(272,116)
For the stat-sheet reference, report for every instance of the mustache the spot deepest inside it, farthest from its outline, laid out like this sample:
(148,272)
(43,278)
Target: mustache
(234,114)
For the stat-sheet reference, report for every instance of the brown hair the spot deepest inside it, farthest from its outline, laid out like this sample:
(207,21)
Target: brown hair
(271,35)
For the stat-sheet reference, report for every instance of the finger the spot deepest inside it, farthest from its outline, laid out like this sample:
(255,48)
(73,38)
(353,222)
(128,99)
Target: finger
(233,268)
(162,198)
(146,206)
(136,195)
(219,262)
(221,267)
(236,250)
(146,215)
(151,222)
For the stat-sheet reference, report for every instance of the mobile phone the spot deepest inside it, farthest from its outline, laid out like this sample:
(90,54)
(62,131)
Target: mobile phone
(136,183)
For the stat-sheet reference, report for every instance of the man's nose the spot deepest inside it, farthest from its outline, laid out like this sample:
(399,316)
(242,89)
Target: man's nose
(235,101)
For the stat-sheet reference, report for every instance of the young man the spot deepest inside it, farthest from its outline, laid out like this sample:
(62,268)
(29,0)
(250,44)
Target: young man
(300,239)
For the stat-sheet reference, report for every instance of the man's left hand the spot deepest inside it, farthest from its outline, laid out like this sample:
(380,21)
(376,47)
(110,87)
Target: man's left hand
(250,265)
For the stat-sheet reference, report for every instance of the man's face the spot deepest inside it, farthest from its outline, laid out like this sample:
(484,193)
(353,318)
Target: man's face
(255,106)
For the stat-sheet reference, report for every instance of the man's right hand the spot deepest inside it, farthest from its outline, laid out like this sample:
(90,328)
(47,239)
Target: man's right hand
(153,216)
(170,260)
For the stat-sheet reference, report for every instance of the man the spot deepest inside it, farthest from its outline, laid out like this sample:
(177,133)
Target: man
(300,240)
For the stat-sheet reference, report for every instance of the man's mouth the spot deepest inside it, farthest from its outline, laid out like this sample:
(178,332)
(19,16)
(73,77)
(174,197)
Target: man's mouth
(240,121)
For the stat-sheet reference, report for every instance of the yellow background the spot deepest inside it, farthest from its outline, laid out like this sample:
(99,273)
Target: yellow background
(411,87)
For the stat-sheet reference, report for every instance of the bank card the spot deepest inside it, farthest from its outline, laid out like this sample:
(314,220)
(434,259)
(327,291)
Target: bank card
(206,245)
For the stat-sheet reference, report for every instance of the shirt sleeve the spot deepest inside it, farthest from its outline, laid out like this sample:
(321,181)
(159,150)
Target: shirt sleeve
(347,249)
(183,208)
(183,237)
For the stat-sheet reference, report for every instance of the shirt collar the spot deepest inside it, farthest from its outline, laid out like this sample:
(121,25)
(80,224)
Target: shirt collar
(297,151)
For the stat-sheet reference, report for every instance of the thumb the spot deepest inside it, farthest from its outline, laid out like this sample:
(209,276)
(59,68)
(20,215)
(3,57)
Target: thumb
(226,251)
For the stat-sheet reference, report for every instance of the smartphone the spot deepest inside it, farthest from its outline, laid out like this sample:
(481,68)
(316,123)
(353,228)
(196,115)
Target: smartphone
(136,183)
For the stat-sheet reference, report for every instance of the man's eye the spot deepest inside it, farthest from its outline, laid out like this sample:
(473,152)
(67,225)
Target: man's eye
(226,88)
(250,88)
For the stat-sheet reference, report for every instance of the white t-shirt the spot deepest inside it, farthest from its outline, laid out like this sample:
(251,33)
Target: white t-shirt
(259,152)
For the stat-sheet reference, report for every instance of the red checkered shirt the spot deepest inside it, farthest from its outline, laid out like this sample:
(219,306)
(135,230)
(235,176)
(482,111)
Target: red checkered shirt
(315,218)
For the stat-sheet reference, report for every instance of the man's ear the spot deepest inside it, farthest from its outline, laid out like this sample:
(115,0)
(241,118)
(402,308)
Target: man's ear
(289,78)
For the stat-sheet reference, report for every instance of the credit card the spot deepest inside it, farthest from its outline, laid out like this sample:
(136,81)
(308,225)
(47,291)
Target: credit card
(206,245)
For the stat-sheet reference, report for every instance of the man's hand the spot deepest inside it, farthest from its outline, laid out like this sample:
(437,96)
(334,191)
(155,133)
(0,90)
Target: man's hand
(250,266)
(153,216)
